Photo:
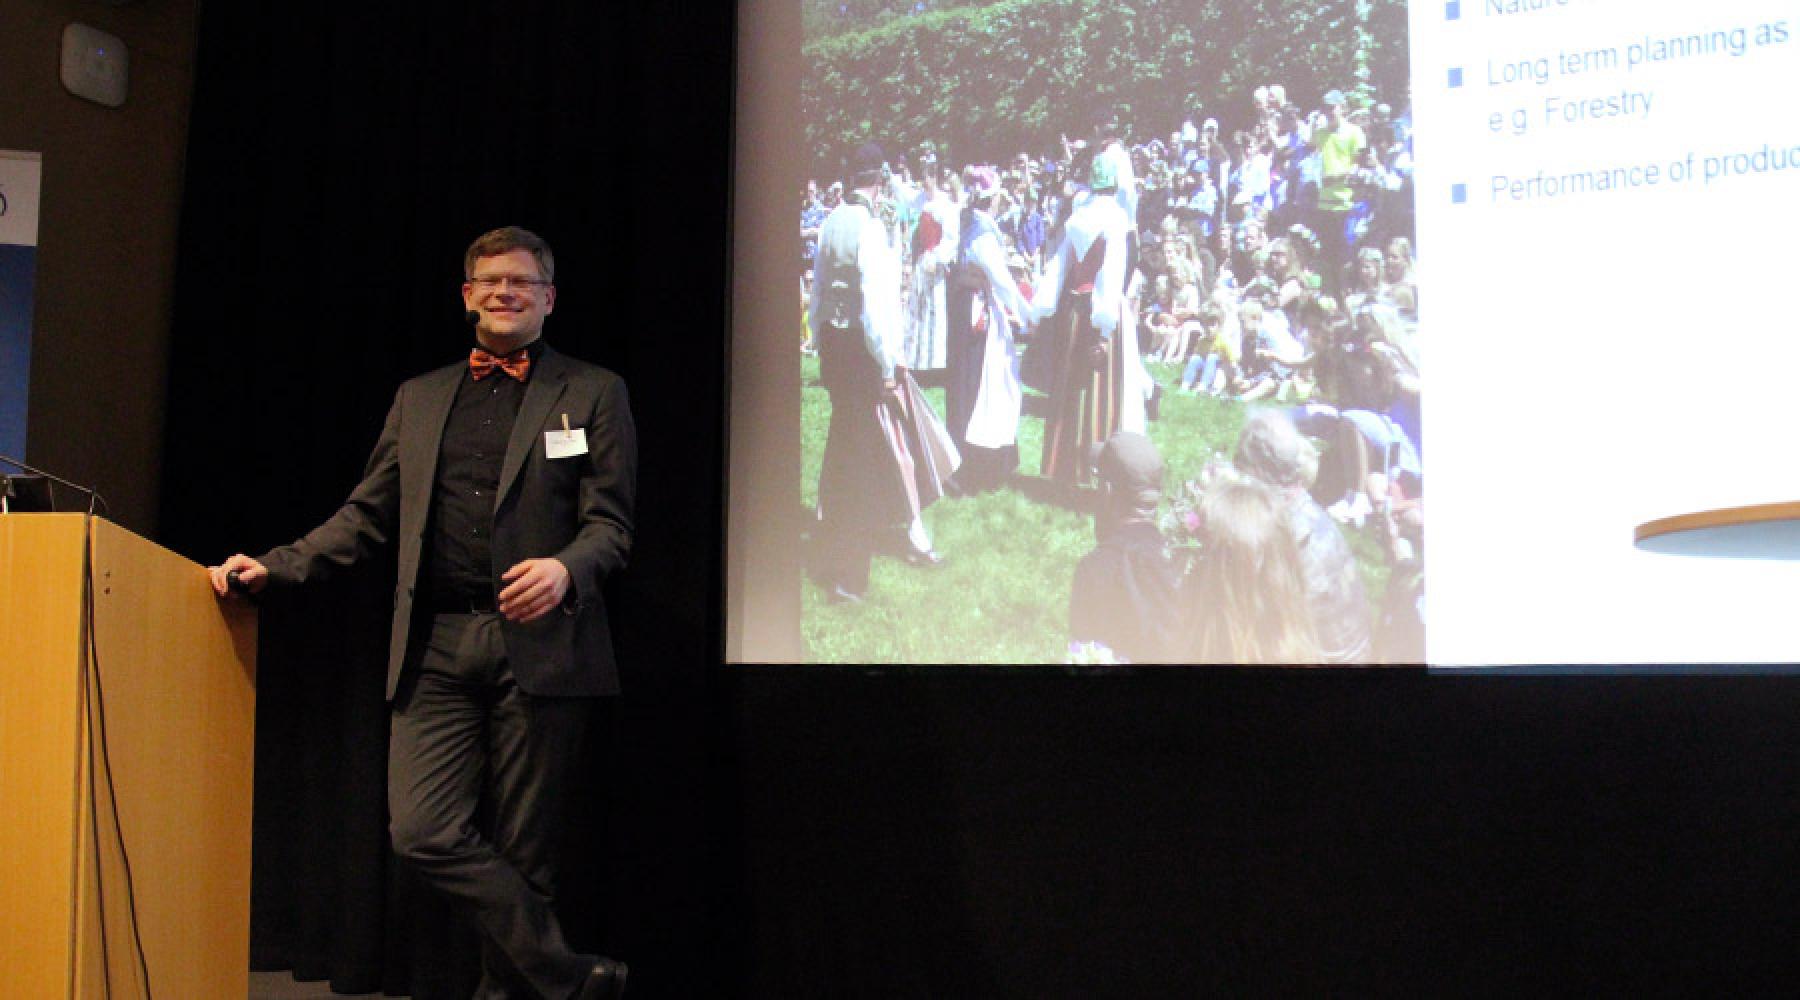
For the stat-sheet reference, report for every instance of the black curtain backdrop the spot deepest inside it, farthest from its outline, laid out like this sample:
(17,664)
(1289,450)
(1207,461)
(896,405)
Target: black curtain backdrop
(1202,833)
(786,832)
(341,159)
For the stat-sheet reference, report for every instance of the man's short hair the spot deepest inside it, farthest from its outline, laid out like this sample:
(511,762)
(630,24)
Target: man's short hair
(1129,464)
(506,239)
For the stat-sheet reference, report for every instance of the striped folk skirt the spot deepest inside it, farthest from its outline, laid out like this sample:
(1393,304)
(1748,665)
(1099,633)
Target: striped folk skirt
(1086,384)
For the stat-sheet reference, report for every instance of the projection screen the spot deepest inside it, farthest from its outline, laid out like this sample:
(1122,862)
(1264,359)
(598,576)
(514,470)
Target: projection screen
(1069,331)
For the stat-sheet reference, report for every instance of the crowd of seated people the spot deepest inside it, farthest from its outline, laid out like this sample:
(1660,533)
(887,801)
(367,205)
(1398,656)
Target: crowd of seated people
(1273,265)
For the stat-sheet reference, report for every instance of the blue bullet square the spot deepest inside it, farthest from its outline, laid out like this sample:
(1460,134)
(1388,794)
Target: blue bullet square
(1452,10)
(1456,76)
(1459,193)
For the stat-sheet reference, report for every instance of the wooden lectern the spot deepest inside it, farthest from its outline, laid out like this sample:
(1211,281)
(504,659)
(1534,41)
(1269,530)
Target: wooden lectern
(166,689)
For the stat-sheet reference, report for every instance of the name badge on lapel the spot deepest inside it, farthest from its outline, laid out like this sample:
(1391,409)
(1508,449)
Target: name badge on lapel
(565,443)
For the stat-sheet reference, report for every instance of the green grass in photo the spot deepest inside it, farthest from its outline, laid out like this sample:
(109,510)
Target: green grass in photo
(1002,595)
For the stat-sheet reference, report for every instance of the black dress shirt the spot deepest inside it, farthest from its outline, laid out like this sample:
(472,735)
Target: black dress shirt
(460,566)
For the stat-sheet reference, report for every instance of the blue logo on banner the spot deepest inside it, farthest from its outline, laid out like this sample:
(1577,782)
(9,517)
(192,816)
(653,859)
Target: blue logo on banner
(18,269)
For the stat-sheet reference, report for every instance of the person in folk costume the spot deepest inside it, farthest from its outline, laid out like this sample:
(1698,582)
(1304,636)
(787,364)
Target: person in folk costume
(983,395)
(1106,145)
(1082,292)
(1138,387)
(933,247)
(886,457)
(1105,142)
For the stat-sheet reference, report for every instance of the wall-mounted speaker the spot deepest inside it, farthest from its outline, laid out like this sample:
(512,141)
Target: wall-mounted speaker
(95,65)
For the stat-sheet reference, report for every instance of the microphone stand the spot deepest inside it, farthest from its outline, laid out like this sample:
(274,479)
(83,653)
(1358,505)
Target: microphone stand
(94,497)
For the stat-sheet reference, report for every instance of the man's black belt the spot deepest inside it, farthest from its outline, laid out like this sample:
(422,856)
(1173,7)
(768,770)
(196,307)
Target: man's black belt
(475,604)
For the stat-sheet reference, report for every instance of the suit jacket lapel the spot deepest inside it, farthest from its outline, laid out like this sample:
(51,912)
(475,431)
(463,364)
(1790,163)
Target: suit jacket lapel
(548,376)
(422,438)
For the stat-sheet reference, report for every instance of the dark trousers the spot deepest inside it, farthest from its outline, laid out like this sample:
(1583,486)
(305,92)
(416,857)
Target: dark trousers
(860,495)
(461,729)
(1336,269)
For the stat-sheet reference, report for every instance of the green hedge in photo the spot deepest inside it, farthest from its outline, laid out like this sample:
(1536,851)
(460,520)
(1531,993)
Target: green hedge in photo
(987,81)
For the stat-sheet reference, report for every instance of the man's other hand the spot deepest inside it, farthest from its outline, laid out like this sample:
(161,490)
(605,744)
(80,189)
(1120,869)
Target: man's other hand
(533,588)
(253,575)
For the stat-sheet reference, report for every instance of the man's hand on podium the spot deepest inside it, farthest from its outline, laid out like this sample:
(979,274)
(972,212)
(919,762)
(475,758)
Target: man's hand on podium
(254,576)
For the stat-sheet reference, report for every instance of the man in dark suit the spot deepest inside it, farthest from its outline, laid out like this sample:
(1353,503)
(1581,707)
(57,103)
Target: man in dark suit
(505,484)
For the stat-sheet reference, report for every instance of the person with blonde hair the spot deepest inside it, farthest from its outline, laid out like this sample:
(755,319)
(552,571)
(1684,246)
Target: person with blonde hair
(1275,362)
(1220,346)
(1399,281)
(1368,286)
(1177,316)
(1247,597)
(1272,450)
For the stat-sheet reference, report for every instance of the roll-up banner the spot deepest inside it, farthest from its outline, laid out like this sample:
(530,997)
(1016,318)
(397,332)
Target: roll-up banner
(20,174)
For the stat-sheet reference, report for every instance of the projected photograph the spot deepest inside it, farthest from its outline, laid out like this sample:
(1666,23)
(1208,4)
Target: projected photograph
(1109,333)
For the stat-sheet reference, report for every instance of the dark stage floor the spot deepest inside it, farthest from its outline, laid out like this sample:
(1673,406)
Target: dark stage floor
(283,986)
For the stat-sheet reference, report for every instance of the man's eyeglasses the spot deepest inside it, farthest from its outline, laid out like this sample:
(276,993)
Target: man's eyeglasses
(499,282)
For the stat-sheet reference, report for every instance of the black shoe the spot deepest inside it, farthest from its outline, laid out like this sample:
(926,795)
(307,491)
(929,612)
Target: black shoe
(605,981)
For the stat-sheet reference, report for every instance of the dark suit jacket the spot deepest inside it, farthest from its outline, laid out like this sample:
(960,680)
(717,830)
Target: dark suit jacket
(578,509)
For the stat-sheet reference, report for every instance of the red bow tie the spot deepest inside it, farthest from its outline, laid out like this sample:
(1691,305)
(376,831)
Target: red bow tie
(482,364)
